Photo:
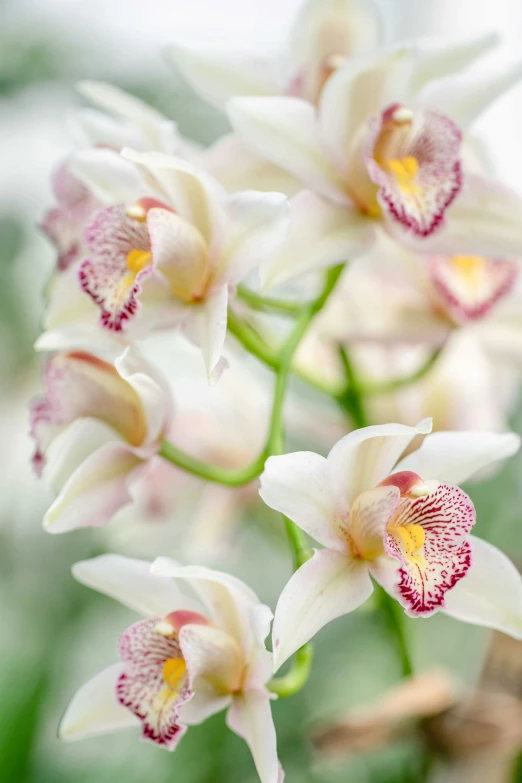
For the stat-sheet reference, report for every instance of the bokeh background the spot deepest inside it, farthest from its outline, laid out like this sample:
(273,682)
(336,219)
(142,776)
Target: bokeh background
(54,633)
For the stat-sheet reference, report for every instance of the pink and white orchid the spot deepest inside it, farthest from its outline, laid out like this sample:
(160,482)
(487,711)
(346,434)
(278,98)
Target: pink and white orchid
(98,426)
(188,660)
(178,244)
(383,149)
(397,520)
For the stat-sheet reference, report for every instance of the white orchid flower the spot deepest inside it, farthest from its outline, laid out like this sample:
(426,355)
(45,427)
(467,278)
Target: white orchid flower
(188,660)
(324,33)
(98,425)
(384,149)
(399,521)
(184,241)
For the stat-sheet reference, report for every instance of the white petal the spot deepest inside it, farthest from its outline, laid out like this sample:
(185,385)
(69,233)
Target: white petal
(217,73)
(257,224)
(94,708)
(326,587)
(206,701)
(250,716)
(283,130)
(321,234)
(455,457)
(483,220)
(111,178)
(435,60)
(465,96)
(358,90)
(213,655)
(234,607)
(159,133)
(192,193)
(238,168)
(491,592)
(325,29)
(152,389)
(362,459)
(206,326)
(95,491)
(131,582)
(297,485)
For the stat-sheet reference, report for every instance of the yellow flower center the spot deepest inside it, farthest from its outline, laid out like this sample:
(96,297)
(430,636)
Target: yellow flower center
(138,260)
(174,671)
(410,537)
(404,171)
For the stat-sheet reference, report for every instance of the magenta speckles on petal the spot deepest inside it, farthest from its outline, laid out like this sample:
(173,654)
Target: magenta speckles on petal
(428,537)
(120,261)
(468,287)
(414,158)
(155,682)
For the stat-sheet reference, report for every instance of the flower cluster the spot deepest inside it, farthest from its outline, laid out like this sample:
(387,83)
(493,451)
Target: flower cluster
(350,184)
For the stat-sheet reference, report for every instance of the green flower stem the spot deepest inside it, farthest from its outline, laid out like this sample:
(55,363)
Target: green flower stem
(385,387)
(281,363)
(351,400)
(268,303)
(297,677)
(393,613)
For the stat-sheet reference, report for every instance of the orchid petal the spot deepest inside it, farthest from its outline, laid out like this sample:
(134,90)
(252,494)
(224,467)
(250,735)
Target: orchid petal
(94,709)
(326,29)
(491,592)
(357,91)
(180,253)
(363,458)
(257,224)
(328,586)
(297,486)
(217,73)
(206,326)
(213,655)
(465,96)
(250,716)
(321,235)
(130,582)
(484,220)
(207,701)
(159,133)
(233,606)
(237,168)
(108,176)
(456,457)
(283,130)
(96,491)
(191,194)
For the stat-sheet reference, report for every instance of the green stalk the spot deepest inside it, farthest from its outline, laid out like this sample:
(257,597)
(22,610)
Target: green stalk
(267,303)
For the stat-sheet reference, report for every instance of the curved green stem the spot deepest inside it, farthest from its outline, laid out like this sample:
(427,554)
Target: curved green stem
(351,400)
(297,677)
(394,616)
(267,303)
(385,387)
(281,363)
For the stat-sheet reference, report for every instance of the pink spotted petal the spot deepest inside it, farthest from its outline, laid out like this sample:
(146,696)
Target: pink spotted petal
(428,538)
(80,385)
(105,275)
(65,224)
(469,286)
(414,158)
(142,687)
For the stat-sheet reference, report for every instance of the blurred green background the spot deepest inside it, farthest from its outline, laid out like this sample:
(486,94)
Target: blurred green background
(55,634)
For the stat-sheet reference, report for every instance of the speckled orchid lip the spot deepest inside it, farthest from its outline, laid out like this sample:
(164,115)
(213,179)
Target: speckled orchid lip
(155,682)
(468,287)
(414,159)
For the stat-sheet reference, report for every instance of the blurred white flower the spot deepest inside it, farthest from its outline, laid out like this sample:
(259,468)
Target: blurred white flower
(398,520)
(383,150)
(97,427)
(188,660)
